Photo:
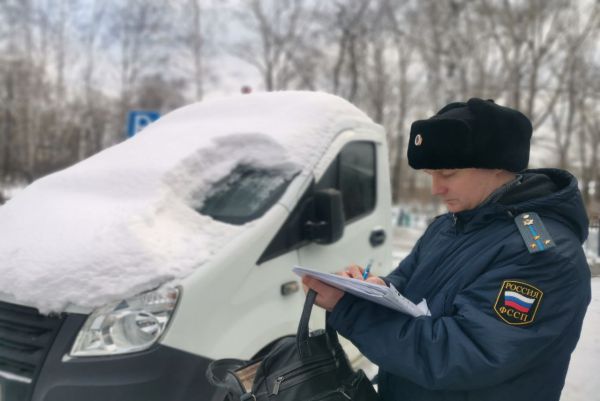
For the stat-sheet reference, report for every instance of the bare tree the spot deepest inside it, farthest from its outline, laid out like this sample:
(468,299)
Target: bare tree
(588,127)
(137,29)
(567,104)
(531,37)
(281,50)
(398,61)
(404,89)
(348,20)
(22,84)
(92,126)
(197,44)
(155,92)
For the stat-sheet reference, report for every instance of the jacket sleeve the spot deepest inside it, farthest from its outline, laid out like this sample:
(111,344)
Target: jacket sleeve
(472,346)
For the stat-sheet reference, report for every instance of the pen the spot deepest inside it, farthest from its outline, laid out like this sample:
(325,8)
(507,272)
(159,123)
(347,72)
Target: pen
(367,269)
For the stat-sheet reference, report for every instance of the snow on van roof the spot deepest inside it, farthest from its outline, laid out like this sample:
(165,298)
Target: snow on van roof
(124,220)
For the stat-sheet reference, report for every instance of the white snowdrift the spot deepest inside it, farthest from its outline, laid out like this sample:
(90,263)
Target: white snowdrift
(582,383)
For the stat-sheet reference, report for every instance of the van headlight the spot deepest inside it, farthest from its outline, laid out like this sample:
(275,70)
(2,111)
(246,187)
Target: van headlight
(131,325)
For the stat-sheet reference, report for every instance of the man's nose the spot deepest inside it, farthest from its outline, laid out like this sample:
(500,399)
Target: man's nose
(437,187)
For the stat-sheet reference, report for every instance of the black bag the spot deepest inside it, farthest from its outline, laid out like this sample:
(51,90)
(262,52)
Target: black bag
(306,367)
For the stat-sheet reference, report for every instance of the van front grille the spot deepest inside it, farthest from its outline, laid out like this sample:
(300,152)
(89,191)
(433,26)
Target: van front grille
(25,338)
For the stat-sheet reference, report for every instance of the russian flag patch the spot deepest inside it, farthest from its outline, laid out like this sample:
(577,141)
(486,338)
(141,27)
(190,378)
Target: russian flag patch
(517,302)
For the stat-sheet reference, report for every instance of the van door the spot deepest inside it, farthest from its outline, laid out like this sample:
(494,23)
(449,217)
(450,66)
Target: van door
(355,165)
(358,172)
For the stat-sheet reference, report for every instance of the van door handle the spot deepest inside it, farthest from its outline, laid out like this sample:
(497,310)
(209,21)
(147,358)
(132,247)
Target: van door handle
(377,237)
(289,288)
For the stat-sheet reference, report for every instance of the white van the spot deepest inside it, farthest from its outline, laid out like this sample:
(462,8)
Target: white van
(126,274)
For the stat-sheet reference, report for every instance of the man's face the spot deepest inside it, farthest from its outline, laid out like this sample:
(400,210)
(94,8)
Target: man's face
(464,189)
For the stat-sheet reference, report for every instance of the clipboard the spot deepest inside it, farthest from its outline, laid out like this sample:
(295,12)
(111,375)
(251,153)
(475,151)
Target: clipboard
(380,294)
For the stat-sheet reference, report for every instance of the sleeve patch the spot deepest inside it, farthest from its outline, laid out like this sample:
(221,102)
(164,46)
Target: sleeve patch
(534,232)
(517,302)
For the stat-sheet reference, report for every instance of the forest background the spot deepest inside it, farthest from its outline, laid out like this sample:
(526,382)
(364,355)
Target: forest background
(70,70)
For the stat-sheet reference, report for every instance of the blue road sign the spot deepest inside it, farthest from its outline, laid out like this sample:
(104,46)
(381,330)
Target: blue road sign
(138,119)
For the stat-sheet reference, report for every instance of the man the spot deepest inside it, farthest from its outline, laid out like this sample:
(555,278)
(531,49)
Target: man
(503,272)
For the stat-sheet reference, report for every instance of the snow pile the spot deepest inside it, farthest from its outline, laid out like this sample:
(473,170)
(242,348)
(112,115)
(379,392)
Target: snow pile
(582,383)
(123,221)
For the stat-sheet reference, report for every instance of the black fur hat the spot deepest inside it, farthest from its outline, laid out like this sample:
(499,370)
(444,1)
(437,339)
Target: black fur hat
(478,133)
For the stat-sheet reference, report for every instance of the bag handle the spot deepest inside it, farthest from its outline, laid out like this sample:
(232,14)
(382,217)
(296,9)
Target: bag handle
(303,329)
(229,365)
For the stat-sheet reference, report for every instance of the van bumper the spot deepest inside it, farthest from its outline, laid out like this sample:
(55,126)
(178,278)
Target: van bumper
(159,374)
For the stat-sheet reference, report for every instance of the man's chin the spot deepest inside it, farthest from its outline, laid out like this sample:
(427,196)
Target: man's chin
(453,207)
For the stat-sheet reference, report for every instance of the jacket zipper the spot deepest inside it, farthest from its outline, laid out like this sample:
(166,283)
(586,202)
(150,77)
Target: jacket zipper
(455,223)
(313,370)
(339,390)
(278,382)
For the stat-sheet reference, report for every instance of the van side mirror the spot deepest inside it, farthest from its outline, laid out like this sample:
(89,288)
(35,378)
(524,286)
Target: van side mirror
(325,222)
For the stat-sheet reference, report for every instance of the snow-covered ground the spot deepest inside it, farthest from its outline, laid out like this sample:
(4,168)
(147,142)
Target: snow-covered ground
(582,382)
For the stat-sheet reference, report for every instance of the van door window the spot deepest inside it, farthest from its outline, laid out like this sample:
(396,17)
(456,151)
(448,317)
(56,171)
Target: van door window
(353,174)
(245,194)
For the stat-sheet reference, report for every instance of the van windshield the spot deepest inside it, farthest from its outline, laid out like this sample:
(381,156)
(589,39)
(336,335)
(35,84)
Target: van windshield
(246,194)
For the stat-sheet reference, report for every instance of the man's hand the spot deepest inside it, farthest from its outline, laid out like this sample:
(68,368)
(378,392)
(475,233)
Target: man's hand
(355,271)
(328,296)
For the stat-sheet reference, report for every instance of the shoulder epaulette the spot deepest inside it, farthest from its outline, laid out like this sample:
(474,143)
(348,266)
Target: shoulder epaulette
(534,233)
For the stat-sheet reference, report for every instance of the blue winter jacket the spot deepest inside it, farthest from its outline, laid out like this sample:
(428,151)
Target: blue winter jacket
(504,321)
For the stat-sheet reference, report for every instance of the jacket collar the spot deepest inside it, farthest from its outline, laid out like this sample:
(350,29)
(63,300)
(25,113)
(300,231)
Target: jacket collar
(549,192)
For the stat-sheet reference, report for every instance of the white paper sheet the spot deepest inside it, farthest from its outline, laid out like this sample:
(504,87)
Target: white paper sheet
(383,295)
